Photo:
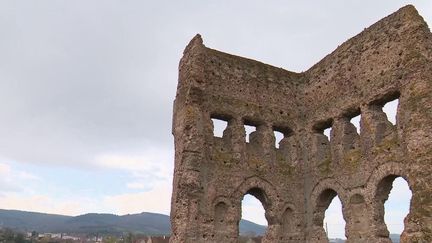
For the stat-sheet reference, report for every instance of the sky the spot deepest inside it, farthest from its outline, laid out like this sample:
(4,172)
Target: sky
(87,88)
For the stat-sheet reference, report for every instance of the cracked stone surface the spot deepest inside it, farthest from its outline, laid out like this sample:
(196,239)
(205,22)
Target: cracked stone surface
(297,180)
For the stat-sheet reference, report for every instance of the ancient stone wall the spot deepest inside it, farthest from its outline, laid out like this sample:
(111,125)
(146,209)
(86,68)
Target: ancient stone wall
(297,180)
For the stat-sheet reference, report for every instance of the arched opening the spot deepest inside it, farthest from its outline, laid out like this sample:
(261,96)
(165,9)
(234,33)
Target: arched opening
(291,228)
(249,129)
(334,223)
(355,120)
(287,220)
(393,197)
(328,217)
(219,126)
(390,109)
(327,132)
(253,223)
(278,138)
(220,216)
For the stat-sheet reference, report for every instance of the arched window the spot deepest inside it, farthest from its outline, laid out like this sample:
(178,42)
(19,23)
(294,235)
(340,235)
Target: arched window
(328,217)
(221,224)
(393,198)
(334,223)
(253,222)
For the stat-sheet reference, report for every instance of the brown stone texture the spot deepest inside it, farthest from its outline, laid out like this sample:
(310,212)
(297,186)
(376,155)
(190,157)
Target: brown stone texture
(296,182)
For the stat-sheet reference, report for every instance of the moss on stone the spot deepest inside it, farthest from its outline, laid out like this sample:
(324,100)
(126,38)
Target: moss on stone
(190,113)
(357,78)
(257,164)
(283,165)
(352,158)
(286,171)
(281,158)
(415,100)
(325,167)
(223,158)
(387,144)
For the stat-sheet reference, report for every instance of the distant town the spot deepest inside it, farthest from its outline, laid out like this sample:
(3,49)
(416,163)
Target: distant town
(31,227)
(24,227)
(8,236)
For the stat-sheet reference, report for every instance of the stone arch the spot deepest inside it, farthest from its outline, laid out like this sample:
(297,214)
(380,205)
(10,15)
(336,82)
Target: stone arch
(321,197)
(263,190)
(379,187)
(383,171)
(223,220)
(220,205)
(328,184)
(221,210)
(286,221)
(291,227)
(243,91)
(266,193)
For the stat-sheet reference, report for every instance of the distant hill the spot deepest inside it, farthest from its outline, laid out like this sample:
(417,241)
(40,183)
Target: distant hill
(395,238)
(143,223)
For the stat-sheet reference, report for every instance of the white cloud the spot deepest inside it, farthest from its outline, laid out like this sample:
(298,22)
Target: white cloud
(156,200)
(48,204)
(14,180)
(146,169)
(400,189)
(4,169)
(122,162)
(27,176)
(126,85)
(150,172)
(136,185)
(155,161)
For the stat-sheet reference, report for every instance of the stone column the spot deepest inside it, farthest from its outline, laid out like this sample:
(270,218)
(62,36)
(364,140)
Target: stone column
(344,137)
(374,126)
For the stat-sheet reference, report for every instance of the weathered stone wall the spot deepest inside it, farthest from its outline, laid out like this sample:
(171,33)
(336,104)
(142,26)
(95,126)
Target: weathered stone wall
(297,181)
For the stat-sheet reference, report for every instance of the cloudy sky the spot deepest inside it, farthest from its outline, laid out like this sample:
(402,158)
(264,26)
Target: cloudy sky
(87,87)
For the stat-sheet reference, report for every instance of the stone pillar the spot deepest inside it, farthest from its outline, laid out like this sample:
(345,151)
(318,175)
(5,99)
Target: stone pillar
(344,137)
(263,138)
(415,129)
(357,220)
(288,148)
(190,132)
(234,136)
(321,153)
(374,126)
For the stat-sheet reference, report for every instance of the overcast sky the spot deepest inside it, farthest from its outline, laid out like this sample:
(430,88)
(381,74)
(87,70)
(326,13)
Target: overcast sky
(87,88)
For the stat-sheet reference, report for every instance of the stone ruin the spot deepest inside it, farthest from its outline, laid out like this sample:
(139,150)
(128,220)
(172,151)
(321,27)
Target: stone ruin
(297,180)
